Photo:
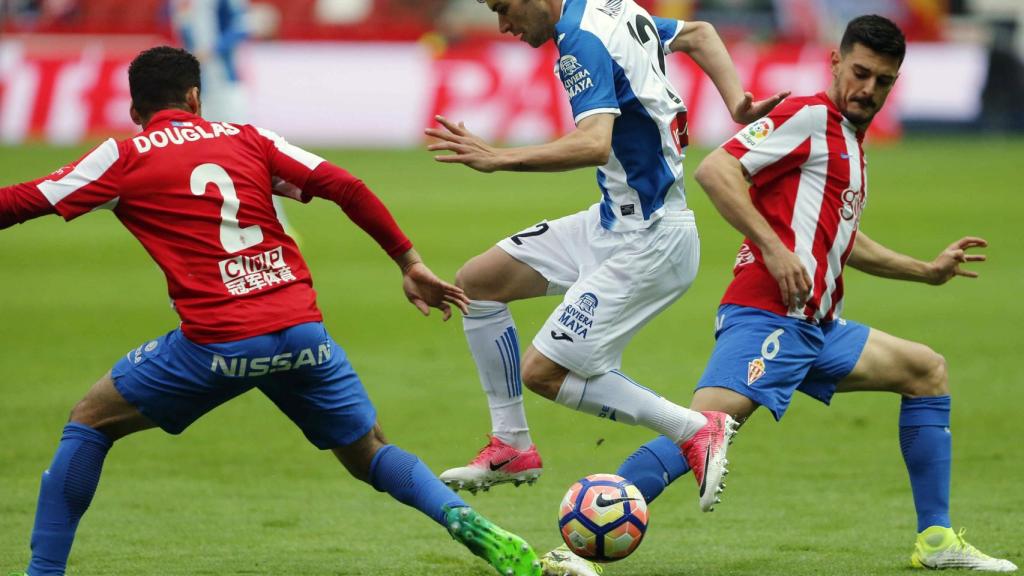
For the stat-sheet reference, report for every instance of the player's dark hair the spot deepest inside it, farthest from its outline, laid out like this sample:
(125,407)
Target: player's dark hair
(159,78)
(877,33)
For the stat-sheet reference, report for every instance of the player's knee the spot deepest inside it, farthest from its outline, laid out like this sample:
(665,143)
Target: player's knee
(540,380)
(938,377)
(476,286)
(85,412)
(358,457)
(931,377)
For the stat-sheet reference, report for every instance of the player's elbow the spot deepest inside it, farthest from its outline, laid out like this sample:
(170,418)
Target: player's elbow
(708,173)
(694,35)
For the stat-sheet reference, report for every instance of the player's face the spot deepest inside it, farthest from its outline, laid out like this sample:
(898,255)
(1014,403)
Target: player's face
(861,81)
(531,20)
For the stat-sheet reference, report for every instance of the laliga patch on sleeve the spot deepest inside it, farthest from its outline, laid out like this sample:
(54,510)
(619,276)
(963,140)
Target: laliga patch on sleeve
(755,133)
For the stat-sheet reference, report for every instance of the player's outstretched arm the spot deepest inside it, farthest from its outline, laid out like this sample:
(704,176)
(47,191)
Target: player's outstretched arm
(873,258)
(362,206)
(590,144)
(722,177)
(22,202)
(425,290)
(701,42)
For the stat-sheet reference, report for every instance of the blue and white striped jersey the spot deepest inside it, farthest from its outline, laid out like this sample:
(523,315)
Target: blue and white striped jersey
(612,60)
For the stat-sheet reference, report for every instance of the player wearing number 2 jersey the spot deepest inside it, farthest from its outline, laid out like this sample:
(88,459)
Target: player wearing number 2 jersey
(779,330)
(616,265)
(197,195)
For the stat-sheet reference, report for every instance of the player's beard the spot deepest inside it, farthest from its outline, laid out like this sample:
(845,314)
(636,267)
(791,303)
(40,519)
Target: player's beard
(863,114)
(541,29)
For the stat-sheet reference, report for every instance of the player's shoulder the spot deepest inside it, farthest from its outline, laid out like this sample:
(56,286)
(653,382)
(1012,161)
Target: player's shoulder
(795,104)
(597,17)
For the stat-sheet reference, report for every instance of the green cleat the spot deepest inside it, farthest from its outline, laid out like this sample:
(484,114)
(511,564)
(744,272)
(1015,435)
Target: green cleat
(939,547)
(509,554)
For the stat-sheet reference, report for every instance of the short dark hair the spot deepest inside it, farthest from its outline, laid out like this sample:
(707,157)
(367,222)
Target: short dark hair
(877,33)
(159,78)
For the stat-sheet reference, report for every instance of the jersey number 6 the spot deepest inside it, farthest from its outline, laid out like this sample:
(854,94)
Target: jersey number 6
(233,237)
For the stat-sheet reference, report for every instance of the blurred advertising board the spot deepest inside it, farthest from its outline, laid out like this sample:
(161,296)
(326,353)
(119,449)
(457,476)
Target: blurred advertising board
(66,89)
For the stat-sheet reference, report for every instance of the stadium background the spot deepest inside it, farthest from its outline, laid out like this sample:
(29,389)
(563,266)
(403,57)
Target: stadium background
(358,80)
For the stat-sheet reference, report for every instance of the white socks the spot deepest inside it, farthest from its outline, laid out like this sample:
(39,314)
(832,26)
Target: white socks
(494,343)
(614,396)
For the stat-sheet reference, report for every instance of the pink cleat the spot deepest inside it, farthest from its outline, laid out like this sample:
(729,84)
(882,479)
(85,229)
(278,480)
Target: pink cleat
(497,463)
(705,453)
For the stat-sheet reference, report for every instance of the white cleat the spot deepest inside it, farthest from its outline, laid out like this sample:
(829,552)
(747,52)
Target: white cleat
(562,562)
(940,548)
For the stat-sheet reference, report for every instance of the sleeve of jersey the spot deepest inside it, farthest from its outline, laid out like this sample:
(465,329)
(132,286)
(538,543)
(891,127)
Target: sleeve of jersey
(360,204)
(22,202)
(290,165)
(585,68)
(88,184)
(771,139)
(668,29)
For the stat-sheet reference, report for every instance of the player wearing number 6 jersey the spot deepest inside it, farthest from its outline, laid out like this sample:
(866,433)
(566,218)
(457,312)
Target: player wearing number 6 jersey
(616,265)
(197,195)
(779,328)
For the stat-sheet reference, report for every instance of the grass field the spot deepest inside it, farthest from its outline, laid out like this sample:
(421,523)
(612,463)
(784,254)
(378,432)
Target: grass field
(241,492)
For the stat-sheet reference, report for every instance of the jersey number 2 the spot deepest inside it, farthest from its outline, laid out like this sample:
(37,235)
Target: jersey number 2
(233,237)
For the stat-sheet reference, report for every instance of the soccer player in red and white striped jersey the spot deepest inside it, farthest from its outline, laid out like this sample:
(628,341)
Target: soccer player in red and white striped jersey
(795,184)
(197,195)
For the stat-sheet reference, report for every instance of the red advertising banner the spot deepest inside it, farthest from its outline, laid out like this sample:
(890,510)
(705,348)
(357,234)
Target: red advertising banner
(65,89)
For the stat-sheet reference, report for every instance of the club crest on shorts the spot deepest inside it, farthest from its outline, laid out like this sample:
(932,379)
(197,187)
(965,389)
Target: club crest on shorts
(755,369)
(579,317)
(587,303)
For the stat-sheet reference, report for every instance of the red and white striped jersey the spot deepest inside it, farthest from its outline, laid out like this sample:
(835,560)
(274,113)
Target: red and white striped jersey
(807,170)
(198,196)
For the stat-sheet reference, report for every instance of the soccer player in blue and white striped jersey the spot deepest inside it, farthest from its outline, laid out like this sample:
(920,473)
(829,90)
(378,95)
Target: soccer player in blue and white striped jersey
(617,264)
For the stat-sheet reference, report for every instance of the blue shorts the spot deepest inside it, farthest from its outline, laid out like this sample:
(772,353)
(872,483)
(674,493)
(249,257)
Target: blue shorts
(766,357)
(173,381)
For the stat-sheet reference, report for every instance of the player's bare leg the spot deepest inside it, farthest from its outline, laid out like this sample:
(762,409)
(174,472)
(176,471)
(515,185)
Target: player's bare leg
(68,485)
(402,475)
(492,280)
(918,374)
(723,400)
(703,438)
(104,409)
(357,457)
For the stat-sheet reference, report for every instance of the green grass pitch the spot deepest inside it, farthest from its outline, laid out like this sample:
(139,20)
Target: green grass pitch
(241,492)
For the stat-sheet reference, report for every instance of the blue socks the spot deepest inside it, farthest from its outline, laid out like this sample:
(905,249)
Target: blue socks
(408,480)
(654,466)
(65,492)
(927,449)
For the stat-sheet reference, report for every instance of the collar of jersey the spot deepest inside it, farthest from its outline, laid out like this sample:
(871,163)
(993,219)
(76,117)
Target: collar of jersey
(170,114)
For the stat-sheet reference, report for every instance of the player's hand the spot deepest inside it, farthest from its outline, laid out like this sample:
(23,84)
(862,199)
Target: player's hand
(467,148)
(946,265)
(425,290)
(789,272)
(746,110)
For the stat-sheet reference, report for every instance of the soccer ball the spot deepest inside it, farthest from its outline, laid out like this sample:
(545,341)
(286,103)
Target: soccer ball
(603,517)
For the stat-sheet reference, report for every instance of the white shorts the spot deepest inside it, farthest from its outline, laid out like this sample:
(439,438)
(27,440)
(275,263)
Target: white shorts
(614,282)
